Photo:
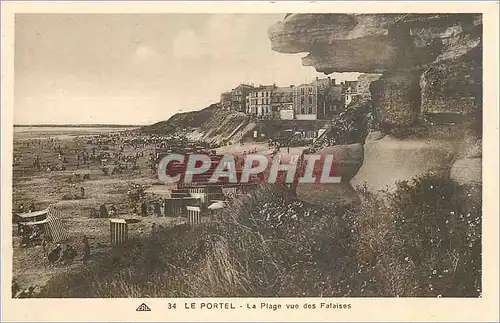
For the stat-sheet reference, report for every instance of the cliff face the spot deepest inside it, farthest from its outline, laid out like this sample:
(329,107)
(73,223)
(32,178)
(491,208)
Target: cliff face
(212,125)
(431,63)
(222,127)
(180,121)
(431,66)
(376,43)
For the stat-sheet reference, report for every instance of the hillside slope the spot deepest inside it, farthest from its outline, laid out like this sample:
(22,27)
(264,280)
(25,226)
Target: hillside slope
(211,125)
(222,127)
(180,121)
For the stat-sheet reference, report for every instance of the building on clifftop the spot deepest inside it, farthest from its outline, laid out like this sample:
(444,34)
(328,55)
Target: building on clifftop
(305,101)
(329,98)
(238,97)
(349,90)
(282,103)
(225,100)
(259,101)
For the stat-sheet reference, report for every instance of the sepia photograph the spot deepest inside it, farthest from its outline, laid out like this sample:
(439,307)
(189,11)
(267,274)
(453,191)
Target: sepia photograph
(246,155)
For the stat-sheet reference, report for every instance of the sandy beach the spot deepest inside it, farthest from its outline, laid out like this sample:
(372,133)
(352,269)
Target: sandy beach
(44,188)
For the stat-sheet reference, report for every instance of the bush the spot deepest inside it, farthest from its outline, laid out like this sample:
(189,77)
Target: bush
(424,239)
(269,244)
(351,125)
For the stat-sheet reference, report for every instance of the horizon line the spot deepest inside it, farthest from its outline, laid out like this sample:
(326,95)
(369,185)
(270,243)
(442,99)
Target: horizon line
(79,124)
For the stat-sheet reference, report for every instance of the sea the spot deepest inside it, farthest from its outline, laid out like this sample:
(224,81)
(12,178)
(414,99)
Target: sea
(30,132)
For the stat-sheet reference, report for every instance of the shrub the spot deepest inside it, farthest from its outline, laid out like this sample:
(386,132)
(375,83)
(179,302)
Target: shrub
(423,239)
(351,125)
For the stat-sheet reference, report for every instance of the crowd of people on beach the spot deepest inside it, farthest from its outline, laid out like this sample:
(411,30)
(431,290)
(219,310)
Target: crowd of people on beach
(114,154)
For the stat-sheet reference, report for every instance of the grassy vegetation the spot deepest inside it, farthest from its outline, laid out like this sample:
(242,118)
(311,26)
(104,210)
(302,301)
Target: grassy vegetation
(424,239)
(439,126)
(179,121)
(351,125)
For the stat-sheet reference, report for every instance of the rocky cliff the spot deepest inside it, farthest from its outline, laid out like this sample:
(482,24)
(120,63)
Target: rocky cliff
(212,125)
(180,121)
(221,127)
(429,97)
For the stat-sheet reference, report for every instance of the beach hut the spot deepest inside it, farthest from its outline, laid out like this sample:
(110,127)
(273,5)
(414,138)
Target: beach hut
(193,215)
(174,207)
(47,222)
(35,216)
(118,230)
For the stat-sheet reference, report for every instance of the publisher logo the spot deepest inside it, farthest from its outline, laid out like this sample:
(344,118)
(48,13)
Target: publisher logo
(143,308)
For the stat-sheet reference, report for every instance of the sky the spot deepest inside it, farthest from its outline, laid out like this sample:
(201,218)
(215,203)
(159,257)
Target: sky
(141,68)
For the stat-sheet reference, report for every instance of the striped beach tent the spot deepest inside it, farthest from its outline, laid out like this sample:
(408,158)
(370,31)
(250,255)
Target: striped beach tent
(54,227)
(193,215)
(118,230)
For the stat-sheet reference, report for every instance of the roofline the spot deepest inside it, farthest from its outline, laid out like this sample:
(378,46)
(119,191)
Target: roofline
(33,214)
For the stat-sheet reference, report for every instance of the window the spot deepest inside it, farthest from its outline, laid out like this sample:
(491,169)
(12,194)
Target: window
(310,109)
(302,91)
(310,100)
(302,100)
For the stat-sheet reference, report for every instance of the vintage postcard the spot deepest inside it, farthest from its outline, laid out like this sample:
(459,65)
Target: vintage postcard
(250,161)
